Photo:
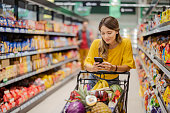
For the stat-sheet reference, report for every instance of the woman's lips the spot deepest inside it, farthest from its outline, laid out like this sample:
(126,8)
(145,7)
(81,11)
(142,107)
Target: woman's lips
(107,40)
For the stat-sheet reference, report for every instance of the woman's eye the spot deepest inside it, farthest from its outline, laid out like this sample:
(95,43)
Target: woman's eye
(109,33)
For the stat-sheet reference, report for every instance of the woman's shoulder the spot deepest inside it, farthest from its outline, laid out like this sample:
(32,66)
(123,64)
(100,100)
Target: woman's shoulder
(126,41)
(97,40)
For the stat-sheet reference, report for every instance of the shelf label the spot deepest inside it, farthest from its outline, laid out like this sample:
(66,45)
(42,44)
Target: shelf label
(22,30)
(8,30)
(16,30)
(2,29)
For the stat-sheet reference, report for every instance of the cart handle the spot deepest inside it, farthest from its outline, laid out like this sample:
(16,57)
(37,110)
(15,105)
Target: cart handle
(104,72)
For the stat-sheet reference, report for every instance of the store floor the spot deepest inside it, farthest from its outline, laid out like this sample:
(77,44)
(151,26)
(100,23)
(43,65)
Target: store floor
(55,102)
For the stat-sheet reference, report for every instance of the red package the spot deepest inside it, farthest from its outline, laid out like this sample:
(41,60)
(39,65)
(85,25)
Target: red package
(19,101)
(7,96)
(8,106)
(3,108)
(14,95)
(12,103)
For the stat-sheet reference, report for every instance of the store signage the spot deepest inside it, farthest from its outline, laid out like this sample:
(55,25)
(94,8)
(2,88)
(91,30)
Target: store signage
(80,10)
(114,8)
(127,10)
(91,3)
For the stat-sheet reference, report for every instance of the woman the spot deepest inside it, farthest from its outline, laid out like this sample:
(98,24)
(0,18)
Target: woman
(116,52)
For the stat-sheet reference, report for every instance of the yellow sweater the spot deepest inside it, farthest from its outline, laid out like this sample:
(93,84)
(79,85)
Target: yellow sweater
(120,55)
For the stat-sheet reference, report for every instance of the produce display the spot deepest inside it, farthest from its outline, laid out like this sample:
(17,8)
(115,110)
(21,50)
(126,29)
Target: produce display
(10,68)
(18,93)
(99,99)
(155,21)
(158,46)
(147,82)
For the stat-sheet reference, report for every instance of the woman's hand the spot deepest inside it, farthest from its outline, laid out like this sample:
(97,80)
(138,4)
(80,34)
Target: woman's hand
(96,66)
(108,66)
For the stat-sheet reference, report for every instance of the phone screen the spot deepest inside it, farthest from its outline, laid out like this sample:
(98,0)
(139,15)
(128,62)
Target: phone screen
(98,59)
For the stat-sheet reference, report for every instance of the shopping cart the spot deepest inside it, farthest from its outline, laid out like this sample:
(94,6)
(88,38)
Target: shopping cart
(121,105)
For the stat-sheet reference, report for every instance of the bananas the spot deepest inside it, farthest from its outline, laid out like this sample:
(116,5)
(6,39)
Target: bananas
(101,84)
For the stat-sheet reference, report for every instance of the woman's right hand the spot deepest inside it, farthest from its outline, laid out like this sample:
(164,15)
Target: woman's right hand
(96,67)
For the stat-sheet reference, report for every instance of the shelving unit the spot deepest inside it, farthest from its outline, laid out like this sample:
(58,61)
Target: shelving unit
(26,31)
(28,53)
(161,28)
(161,103)
(155,61)
(55,11)
(41,96)
(36,72)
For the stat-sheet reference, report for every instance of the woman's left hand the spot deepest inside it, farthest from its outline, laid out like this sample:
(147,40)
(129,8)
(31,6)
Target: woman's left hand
(108,66)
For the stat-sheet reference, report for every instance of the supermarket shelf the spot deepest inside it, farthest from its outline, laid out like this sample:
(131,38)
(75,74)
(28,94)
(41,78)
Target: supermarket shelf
(40,97)
(25,31)
(56,8)
(161,28)
(162,105)
(163,108)
(36,72)
(155,61)
(27,53)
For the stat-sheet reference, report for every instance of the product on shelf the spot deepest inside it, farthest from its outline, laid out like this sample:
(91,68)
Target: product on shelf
(155,77)
(155,21)
(158,46)
(22,91)
(18,66)
(30,43)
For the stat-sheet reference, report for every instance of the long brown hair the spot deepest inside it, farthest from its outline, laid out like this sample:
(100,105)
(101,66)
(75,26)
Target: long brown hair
(111,23)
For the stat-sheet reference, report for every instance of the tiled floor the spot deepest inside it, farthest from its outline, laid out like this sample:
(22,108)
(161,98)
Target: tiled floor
(55,102)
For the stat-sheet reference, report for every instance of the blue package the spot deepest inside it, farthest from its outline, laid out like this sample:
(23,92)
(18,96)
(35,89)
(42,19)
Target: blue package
(7,47)
(18,46)
(23,46)
(28,44)
(2,49)
(1,21)
(14,47)
(10,47)
(32,46)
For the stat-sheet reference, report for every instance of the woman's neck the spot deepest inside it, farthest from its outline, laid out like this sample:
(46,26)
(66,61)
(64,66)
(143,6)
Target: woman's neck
(113,45)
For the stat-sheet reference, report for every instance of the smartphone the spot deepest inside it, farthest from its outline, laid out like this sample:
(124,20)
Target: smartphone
(98,59)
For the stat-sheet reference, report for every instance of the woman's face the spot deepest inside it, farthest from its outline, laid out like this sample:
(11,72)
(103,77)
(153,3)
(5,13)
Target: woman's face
(108,35)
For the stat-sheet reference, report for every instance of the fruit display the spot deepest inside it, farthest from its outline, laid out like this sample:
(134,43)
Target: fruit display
(99,99)
(18,93)
(155,77)
(158,46)
(10,68)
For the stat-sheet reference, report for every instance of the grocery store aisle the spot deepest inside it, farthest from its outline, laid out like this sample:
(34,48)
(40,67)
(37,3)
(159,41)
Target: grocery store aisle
(55,102)
(135,104)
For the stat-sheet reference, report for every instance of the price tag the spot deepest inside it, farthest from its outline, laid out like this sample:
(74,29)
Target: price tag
(16,30)
(26,30)
(8,30)
(22,30)
(2,29)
